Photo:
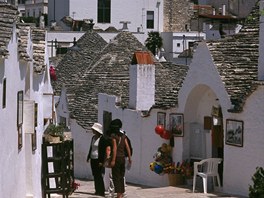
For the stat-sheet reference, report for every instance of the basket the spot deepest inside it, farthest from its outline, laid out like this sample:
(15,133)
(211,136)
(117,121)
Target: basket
(175,179)
(52,139)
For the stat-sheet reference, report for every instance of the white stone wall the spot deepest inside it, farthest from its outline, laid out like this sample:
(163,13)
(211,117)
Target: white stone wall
(141,86)
(82,141)
(121,10)
(62,108)
(198,94)
(175,43)
(195,100)
(141,131)
(12,161)
(20,169)
(241,163)
(40,89)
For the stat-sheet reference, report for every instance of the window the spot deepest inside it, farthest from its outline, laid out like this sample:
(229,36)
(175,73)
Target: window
(150,19)
(104,11)
(36,115)
(34,135)
(4,94)
(20,100)
(178,45)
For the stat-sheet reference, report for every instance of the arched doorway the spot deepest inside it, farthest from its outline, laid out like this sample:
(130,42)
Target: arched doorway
(203,125)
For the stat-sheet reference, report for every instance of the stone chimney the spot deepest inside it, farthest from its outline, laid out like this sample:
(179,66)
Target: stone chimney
(125,27)
(261,43)
(90,24)
(142,81)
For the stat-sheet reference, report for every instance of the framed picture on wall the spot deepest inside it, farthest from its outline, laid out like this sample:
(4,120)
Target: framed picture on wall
(176,124)
(234,132)
(161,119)
(34,135)
(20,100)
(20,108)
(19,135)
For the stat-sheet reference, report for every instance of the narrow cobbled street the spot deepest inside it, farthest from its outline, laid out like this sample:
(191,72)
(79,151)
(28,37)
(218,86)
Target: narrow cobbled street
(86,190)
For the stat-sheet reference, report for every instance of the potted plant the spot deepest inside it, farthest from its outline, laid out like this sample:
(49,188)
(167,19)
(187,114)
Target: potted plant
(182,172)
(257,188)
(54,133)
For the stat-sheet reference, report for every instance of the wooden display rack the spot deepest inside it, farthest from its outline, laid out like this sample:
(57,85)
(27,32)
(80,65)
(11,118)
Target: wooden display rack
(57,168)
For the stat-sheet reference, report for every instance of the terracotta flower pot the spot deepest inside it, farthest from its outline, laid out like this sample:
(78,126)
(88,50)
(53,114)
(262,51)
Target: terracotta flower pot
(175,179)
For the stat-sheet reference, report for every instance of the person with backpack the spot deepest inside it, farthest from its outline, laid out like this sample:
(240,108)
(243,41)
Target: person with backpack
(119,147)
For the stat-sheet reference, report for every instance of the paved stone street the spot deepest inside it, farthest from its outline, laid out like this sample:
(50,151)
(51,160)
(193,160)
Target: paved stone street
(86,190)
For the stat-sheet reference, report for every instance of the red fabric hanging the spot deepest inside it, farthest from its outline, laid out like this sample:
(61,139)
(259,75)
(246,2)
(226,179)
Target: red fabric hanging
(53,73)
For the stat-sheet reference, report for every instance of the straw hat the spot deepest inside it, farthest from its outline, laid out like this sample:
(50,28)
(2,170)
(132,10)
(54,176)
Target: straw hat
(97,127)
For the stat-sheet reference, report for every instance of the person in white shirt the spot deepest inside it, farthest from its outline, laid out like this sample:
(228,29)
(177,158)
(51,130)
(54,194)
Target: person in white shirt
(96,156)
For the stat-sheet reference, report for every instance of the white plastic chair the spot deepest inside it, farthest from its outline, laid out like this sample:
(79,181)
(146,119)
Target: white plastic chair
(206,168)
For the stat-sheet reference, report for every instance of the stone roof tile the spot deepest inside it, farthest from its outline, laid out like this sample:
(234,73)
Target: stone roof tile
(23,37)
(108,72)
(39,46)
(71,68)
(236,58)
(8,16)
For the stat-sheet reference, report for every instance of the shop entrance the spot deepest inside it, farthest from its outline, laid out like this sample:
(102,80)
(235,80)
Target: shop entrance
(218,137)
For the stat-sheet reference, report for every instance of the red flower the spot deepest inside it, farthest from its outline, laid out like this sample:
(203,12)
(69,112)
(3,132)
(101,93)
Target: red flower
(75,185)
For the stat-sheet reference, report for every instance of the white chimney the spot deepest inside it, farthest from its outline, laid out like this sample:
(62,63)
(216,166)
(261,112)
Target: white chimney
(142,82)
(41,22)
(261,43)
(224,10)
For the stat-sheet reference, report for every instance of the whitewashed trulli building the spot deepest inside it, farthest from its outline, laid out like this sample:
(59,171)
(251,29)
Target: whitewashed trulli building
(25,105)
(225,73)
(85,73)
(221,100)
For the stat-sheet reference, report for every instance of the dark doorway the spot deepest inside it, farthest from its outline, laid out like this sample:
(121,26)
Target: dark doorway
(218,138)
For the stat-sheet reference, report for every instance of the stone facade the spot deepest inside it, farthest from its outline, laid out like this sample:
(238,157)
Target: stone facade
(177,15)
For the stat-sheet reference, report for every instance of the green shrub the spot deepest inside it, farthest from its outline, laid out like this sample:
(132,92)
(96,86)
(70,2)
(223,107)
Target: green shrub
(257,189)
(153,42)
(55,130)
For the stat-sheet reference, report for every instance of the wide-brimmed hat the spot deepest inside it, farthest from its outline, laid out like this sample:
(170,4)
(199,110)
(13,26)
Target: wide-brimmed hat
(97,127)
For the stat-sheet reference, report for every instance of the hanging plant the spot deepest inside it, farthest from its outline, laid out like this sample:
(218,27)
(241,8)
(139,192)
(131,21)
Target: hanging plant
(56,131)
(257,189)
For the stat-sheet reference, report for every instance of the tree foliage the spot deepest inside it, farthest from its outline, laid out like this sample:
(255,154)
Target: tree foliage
(153,42)
(257,189)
